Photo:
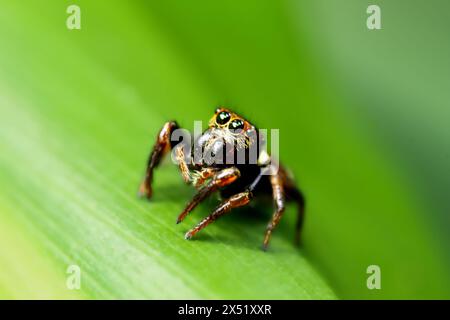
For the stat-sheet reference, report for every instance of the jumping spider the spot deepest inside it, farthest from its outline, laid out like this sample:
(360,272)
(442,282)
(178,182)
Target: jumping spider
(238,182)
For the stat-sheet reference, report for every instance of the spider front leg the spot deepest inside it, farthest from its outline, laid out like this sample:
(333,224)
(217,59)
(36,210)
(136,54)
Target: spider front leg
(221,179)
(238,200)
(279,201)
(162,146)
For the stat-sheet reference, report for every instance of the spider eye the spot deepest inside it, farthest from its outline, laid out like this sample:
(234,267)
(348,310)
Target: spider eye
(236,124)
(223,117)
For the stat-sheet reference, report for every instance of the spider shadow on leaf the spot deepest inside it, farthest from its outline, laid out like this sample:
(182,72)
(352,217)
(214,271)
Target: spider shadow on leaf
(242,227)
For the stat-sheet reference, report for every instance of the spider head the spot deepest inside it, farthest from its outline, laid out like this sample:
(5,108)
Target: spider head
(228,135)
(232,128)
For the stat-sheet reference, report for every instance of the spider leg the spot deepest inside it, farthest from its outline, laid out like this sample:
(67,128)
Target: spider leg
(161,147)
(219,180)
(279,201)
(296,195)
(293,193)
(238,200)
(184,168)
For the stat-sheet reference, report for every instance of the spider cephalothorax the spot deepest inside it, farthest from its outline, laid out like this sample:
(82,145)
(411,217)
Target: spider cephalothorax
(229,139)
(232,128)
(227,157)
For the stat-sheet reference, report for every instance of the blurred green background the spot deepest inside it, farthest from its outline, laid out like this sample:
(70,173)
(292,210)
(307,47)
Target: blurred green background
(363,118)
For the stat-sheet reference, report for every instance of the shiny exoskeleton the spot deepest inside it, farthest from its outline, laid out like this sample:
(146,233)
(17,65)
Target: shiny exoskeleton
(238,182)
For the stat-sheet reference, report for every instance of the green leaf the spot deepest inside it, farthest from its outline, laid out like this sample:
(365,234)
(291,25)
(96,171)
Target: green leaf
(74,138)
(80,110)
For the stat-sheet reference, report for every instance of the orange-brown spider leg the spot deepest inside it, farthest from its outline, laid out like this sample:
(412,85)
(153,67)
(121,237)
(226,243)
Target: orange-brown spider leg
(297,196)
(162,146)
(279,201)
(219,180)
(182,164)
(238,200)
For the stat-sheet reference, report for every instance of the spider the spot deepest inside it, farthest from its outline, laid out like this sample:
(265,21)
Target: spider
(239,182)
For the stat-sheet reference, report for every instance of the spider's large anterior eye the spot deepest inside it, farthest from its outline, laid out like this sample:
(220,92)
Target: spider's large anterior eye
(223,117)
(236,124)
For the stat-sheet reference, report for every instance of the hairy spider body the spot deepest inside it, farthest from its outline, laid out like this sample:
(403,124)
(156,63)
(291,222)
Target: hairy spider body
(232,162)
